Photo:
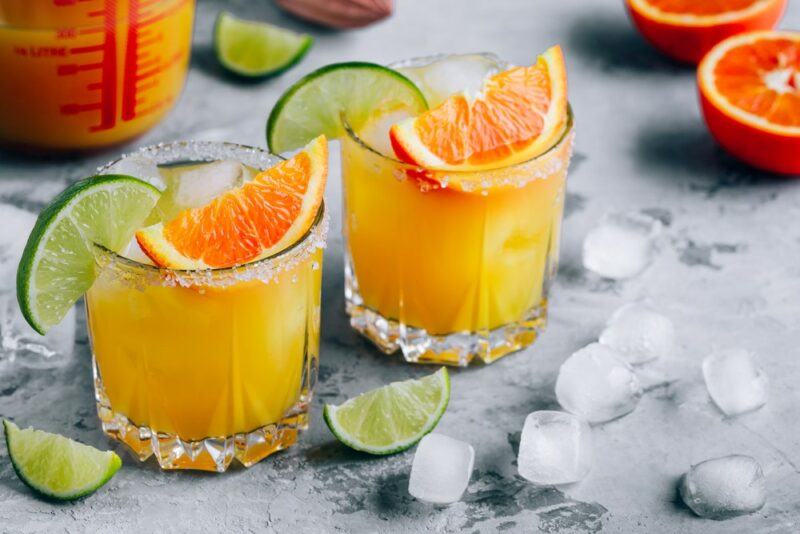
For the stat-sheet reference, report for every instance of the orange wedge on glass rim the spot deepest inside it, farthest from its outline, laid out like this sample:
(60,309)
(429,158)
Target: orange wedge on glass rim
(750,95)
(518,114)
(255,221)
(686,30)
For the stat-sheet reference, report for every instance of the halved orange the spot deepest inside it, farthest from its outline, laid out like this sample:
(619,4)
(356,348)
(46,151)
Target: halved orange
(686,30)
(519,114)
(254,221)
(750,95)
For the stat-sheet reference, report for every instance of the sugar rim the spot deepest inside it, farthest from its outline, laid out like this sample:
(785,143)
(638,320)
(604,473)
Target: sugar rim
(264,269)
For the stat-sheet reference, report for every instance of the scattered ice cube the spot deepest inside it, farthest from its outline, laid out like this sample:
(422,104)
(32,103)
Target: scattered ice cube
(639,334)
(597,384)
(201,184)
(555,448)
(441,470)
(134,252)
(375,133)
(622,245)
(140,167)
(453,74)
(725,487)
(734,381)
(18,341)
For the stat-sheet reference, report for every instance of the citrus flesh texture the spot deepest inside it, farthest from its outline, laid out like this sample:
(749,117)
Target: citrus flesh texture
(519,114)
(391,418)
(57,467)
(251,48)
(356,91)
(686,30)
(58,263)
(257,220)
(750,96)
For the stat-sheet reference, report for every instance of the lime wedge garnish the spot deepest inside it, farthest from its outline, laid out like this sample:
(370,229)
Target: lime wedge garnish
(392,418)
(55,466)
(314,105)
(57,265)
(255,49)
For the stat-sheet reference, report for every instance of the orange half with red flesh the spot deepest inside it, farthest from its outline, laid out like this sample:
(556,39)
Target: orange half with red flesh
(686,30)
(257,220)
(519,114)
(750,95)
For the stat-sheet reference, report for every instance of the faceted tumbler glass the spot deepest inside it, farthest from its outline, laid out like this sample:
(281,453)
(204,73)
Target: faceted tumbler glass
(201,367)
(450,275)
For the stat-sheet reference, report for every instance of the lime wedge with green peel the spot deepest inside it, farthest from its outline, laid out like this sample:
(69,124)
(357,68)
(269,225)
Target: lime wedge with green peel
(57,265)
(315,104)
(256,49)
(58,467)
(392,418)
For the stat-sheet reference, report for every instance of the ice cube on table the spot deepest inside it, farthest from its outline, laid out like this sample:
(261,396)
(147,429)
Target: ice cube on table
(639,334)
(622,245)
(453,74)
(597,384)
(734,381)
(14,232)
(140,167)
(441,469)
(203,183)
(555,448)
(725,487)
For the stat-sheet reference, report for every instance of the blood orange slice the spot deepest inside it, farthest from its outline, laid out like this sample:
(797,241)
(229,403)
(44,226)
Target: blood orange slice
(518,114)
(687,29)
(254,221)
(750,95)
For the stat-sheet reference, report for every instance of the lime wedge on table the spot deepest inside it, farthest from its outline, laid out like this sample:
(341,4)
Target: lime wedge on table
(55,466)
(392,418)
(255,49)
(57,265)
(314,105)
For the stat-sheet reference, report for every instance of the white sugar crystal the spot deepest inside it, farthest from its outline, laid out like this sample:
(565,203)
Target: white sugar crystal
(734,381)
(597,384)
(555,448)
(621,246)
(202,184)
(441,470)
(639,334)
(140,167)
(725,487)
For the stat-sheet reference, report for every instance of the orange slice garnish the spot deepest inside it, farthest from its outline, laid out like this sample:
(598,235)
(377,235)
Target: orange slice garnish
(687,29)
(255,221)
(519,114)
(750,95)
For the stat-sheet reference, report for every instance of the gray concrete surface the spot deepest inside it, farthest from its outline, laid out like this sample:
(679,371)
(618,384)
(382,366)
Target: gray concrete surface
(727,274)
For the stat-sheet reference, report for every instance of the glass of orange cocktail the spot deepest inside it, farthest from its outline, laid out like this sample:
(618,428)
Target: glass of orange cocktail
(79,75)
(199,367)
(449,274)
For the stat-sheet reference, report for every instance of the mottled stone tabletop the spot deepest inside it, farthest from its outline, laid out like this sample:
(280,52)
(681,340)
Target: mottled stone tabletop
(727,274)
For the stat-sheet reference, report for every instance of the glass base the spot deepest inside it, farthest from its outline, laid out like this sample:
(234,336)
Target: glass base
(457,349)
(209,454)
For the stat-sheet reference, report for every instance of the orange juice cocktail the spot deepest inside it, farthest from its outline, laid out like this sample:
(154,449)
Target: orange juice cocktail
(199,367)
(449,274)
(91,73)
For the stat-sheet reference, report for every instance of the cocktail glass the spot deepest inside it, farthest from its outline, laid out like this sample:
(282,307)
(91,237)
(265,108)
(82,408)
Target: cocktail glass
(201,367)
(448,275)
(90,73)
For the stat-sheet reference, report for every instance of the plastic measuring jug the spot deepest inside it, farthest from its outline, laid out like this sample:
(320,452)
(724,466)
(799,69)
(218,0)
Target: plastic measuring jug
(79,74)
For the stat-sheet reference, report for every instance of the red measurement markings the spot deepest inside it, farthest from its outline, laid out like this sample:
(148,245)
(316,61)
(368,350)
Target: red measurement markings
(107,65)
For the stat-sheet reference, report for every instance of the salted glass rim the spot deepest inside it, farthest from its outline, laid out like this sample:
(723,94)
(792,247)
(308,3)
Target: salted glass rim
(565,134)
(120,19)
(230,150)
